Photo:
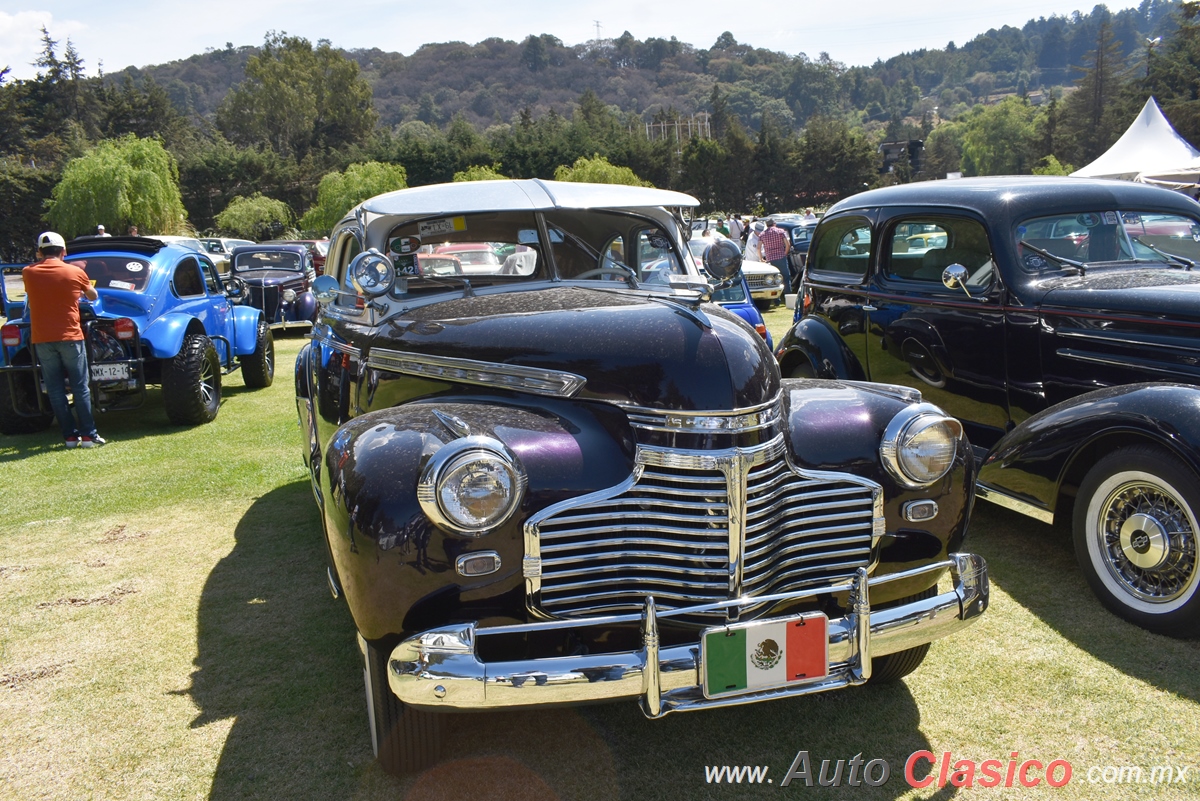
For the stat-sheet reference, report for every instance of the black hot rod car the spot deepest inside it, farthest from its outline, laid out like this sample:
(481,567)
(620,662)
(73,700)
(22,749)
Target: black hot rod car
(570,478)
(1036,310)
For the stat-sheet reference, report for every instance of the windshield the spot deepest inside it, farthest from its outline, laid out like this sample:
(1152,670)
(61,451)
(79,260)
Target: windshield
(1109,236)
(268,260)
(115,272)
(437,254)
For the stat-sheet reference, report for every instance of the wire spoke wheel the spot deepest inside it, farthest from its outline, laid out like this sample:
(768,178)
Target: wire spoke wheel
(1149,543)
(1136,538)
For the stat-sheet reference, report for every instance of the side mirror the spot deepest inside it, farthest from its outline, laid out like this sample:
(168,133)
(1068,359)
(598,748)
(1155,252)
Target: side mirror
(325,288)
(955,277)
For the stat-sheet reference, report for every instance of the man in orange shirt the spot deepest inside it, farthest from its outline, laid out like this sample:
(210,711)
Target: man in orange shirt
(52,290)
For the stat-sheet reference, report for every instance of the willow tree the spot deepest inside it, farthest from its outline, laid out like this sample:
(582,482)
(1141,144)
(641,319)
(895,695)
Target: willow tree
(339,192)
(252,216)
(480,172)
(118,183)
(597,170)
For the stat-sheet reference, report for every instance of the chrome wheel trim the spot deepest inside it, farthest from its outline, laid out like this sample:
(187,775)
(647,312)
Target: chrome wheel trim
(208,390)
(269,357)
(1141,539)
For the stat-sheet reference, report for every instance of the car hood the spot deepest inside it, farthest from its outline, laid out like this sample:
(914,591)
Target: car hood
(630,347)
(1172,294)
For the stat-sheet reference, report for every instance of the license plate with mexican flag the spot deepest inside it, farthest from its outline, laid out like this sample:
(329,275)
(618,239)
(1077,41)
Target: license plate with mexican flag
(765,654)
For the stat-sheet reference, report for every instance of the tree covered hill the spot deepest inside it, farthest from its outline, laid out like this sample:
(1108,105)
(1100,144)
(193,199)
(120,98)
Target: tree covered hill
(654,79)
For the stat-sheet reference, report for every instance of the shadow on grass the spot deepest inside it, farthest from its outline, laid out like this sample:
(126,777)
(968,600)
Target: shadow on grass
(277,657)
(1035,564)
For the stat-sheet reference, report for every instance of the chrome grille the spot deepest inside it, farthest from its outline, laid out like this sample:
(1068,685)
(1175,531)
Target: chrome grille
(803,532)
(678,528)
(665,534)
(757,280)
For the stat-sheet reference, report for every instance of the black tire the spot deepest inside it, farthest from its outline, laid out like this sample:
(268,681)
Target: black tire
(258,369)
(893,667)
(405,740)
(1135,530)
(191,382)
(14,388)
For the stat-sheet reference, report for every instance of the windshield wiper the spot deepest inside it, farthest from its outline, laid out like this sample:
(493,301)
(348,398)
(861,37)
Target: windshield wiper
(1078,265)
(1186,264)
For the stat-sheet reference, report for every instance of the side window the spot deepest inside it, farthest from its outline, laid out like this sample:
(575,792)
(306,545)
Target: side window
(842,250)
(921,248)
(656,260)
(187,280)
(211,280)
(340,255)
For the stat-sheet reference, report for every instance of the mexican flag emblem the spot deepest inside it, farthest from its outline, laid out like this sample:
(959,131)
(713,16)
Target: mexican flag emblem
(762,655)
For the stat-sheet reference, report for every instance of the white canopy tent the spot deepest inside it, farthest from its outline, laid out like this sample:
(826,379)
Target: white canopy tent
(1150,151)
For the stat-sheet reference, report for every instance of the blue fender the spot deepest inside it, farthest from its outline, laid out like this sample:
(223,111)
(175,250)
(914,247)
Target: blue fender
(306,307)
(165,334)
(245,329)
(1049,454)
(815,340)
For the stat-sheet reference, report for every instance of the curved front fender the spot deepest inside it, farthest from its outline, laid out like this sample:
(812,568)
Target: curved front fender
(397,568)
(245,329)
(815,340)
(1051,452)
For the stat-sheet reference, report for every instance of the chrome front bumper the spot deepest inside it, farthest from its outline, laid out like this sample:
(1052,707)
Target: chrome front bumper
(440,670)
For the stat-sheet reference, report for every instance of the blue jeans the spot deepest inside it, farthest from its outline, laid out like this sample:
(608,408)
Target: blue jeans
(67,361)
(784,268)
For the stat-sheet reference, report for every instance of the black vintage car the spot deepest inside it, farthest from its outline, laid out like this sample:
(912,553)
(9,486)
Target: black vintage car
(571,478)
(1036,310)
(277,279)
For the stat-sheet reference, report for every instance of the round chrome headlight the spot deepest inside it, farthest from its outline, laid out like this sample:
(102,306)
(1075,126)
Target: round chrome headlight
(919,445)
(471,486)
(289,295)
(371,273)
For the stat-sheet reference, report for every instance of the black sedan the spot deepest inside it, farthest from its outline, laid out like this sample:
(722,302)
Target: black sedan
(1057,318)
(277,280)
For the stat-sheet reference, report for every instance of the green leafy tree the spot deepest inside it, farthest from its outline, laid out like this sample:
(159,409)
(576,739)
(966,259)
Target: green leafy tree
(1089,122)
(339,192)
(1049,165)
(118,183)
(480,172)
(833,161)
(296,98)
(597,170)
(1001,139)
(251,216)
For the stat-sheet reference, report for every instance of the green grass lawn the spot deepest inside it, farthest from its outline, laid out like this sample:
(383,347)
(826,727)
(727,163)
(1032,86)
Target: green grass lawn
(165,632)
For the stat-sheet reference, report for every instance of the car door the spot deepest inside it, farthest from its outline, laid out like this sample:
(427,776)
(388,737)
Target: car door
(947,343)
(220,309)
(837,279)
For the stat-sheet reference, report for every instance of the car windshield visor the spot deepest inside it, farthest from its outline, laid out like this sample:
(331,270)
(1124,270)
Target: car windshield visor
(249,262)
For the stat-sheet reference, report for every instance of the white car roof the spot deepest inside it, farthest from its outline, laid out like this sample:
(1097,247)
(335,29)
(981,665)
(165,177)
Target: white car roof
(520,195)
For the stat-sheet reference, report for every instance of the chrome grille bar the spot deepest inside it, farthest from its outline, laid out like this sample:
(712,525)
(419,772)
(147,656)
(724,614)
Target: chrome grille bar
(704,526)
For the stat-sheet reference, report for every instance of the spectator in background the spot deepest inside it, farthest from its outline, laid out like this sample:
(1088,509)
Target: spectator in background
(133,231)
(753,249)
(776,244)
(52,290)
(735,228)
(101,232)
(809,216)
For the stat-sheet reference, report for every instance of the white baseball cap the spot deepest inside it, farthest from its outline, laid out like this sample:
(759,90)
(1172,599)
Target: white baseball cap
(50,239)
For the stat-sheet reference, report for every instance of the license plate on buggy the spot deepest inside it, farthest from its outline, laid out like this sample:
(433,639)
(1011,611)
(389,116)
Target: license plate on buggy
(764,654)
(110,372)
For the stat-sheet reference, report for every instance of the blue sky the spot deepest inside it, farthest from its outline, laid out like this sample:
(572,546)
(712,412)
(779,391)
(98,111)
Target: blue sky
(119,33)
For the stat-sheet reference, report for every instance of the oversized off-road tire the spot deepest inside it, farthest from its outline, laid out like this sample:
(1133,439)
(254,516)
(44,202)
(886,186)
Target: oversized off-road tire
(405,740)
(20,389)
(1135,532)
(258,369)
(191,382)
(893,667)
